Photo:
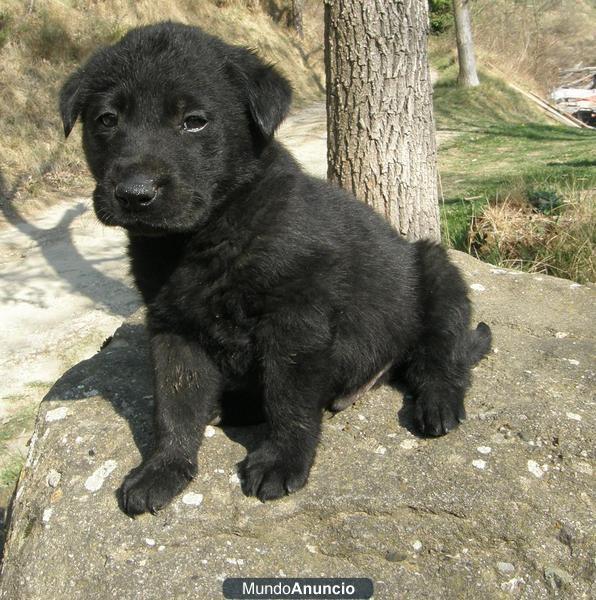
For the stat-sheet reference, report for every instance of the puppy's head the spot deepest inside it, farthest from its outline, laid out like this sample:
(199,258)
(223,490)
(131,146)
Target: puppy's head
(174,120)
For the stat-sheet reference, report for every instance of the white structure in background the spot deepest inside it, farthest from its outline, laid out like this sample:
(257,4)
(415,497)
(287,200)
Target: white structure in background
(578,101)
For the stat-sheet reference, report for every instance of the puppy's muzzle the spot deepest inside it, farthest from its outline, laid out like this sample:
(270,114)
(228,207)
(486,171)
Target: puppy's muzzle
(136,193)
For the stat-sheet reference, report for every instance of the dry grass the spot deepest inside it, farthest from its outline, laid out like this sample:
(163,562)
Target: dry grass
(40,47)
(562,242)
(530,41)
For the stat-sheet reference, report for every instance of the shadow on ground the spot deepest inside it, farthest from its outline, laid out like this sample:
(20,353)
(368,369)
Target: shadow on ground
(106,291)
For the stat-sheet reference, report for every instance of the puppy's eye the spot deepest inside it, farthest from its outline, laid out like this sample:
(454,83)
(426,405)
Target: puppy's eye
(194,123)
(108,120)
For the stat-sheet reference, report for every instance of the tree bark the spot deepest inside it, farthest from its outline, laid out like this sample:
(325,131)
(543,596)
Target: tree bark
(380,127)
(467,77)
(296,16)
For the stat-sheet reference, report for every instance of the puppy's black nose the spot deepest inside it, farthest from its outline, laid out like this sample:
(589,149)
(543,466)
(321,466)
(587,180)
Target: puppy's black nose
(135,193)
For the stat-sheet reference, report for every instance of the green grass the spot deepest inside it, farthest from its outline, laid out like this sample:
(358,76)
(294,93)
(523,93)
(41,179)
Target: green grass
(23,420)
(11,461)
(503,146)
(10,472)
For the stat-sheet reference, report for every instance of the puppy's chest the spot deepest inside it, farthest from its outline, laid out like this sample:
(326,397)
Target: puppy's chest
(205,300)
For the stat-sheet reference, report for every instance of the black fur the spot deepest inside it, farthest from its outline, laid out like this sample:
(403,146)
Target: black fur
(269,293)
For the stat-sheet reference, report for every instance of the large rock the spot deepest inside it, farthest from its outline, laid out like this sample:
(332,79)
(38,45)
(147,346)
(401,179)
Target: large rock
(502,506)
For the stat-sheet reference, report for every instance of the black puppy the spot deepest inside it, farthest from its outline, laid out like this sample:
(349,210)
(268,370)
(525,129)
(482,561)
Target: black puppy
(269,293)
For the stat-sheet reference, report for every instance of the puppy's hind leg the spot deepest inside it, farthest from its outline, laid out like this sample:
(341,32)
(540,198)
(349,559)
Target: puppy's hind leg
(438,382)
(437,370)
(438,374)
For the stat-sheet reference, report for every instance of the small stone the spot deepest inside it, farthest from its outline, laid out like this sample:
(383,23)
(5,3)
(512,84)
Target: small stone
(583,467)
(47,514)
(513,585)
(380,450)
(417,545)
(478,287)
(504,433)
(161,548)
(234,479)
(395,556)
(409,444)
(192,499)
(209,431)
(56,414)
(150,541)
(557,578)
(572,361)
(53,478)
(561,334)
(479,463)
(56,495)
(566,535)
(505,567)
(484,449)
(535,469)
(95,481)
(573,416)
(485,416)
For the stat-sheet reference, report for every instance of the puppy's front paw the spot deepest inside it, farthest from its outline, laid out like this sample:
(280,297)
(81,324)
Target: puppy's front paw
(150,486)
(435,417)
(269,473)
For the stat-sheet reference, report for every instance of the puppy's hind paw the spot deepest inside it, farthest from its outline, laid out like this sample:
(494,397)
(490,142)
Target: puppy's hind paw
(152,485)
(435,418)
(268,475)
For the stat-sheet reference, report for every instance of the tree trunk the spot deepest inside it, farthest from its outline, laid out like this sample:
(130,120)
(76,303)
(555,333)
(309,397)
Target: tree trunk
(380,127)
(468,77)
(296,16)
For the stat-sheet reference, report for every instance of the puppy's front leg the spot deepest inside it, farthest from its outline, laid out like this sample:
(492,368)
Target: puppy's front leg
(187,389)
(292,402)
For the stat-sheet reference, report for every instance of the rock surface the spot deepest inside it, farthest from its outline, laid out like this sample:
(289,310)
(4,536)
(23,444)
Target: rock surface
(502,507)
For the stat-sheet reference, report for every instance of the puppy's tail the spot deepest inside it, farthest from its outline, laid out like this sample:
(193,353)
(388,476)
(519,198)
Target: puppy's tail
(479,342)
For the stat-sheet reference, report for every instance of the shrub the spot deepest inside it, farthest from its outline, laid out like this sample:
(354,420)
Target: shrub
(441,16)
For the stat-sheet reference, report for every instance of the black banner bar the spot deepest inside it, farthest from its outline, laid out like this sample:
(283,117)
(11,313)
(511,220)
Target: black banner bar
(287,588)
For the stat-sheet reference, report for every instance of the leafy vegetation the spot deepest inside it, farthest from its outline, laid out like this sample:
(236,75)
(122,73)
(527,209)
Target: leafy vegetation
(441,15)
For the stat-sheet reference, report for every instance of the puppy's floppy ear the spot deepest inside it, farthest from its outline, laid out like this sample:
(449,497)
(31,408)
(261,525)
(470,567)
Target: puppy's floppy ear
(267,93)
(72,100)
